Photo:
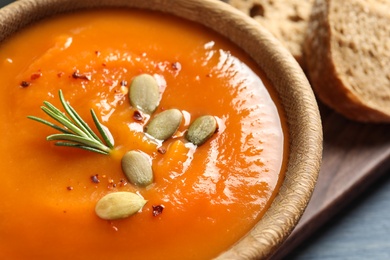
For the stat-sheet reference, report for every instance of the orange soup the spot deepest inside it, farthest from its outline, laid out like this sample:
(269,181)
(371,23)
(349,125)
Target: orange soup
(203,198)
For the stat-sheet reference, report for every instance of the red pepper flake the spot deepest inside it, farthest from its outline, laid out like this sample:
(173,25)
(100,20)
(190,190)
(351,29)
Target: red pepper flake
(95,178)
(60,74)
(36,75)
(97,53)
(123,83)
(109,81)
(122,183)
(137,116)
(176,66)
(161,150)
(209,75)
(69,188)
(25,84)
(78,75)
(157,210)
(111,184)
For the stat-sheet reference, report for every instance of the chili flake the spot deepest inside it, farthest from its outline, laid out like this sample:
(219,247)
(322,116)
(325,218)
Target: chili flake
(78,75)
(176,66)
(161,150)
(137,116)
(36,75)
(25,84)
(122,182)
(157,210)
(95,178)
(123,83)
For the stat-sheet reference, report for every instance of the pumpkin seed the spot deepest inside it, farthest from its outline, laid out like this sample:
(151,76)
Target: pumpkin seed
(201,129)
(119,205)
(144,93)
(137,167)
(165,124)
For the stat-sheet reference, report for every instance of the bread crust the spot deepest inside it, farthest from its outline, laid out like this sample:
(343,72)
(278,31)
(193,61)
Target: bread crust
(347,55)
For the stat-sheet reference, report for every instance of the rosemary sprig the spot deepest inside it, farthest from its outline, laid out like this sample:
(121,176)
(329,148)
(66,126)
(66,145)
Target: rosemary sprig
(75,132)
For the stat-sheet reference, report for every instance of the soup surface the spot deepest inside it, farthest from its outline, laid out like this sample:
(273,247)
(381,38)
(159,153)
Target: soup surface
(210,195)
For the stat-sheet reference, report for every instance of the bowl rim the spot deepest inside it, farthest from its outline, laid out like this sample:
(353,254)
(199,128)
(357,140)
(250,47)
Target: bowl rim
(279,66)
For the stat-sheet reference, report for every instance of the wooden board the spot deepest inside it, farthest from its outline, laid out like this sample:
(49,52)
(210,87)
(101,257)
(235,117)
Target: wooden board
(354,156)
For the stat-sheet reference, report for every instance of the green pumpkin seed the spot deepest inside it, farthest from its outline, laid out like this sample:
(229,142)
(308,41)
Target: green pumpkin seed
(144,93)
(201,129)
(118,205)
(137,166)
(165,124)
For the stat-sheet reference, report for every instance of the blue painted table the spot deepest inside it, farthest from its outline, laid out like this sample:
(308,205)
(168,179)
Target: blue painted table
(360,231)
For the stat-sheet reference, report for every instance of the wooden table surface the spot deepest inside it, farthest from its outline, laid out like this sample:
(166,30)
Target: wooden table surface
(361,227)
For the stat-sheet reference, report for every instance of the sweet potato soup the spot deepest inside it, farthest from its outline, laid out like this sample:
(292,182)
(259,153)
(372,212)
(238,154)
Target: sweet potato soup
(201,198)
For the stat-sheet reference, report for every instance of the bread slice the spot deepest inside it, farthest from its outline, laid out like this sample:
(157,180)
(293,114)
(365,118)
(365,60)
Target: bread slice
(347,53)
(285,19)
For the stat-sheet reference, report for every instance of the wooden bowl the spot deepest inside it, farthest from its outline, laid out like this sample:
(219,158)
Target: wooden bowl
(304,126)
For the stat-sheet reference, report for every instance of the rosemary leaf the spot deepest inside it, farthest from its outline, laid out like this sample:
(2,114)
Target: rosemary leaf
(75,132)
(53,109)
(79,140)
(76,118)
(64,121)
(74,145)
(40,120)
(107,137)
(85,125)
